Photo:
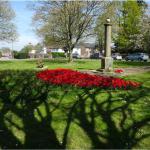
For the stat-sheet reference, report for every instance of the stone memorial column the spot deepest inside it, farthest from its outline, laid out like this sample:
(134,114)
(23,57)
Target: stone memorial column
(107,61)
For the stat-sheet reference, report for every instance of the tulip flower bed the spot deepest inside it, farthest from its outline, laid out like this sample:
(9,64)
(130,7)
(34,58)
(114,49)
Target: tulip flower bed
(84,80)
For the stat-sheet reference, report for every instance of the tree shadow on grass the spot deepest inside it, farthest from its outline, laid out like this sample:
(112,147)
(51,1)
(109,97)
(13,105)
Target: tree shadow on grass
(119,133)
(24,103)
(108,118)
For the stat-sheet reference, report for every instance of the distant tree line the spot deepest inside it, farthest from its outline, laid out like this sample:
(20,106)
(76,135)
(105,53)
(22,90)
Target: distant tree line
(24,52)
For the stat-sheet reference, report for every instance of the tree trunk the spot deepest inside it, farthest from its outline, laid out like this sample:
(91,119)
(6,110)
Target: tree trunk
(70,57)
(66,55)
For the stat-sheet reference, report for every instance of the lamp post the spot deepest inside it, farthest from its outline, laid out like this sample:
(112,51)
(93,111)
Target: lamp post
(107,61)
(12,45)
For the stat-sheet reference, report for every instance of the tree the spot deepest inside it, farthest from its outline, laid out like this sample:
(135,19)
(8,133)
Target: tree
(38,47)
(7,28)
(145,25)
(110,10)
(146,33)
(5,49)
(27,48)
(65,23)
(130,35)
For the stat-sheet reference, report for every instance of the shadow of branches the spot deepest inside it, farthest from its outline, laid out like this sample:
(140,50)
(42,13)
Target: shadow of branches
(108,118)
(21,96)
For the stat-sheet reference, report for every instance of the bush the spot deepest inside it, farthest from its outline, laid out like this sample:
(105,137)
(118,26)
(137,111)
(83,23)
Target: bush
(20,55)
(58,54)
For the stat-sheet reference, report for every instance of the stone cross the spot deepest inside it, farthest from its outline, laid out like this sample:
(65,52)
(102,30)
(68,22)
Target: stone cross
(107,61)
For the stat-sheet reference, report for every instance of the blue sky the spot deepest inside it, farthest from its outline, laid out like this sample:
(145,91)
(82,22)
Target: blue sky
(24,25)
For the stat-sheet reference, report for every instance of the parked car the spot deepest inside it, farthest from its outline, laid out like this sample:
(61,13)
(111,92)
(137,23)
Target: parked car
(96,56)
(116,56)
(75,55)
(137,57)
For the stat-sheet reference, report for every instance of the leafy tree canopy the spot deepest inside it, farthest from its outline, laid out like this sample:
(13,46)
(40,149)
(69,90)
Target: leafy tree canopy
(65,23)
(7,28)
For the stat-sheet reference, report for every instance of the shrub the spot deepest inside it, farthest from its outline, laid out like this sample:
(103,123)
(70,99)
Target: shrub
(20,55)
(58,54)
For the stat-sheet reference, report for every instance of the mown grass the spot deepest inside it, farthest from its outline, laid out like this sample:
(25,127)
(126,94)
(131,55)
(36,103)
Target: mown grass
(83,64)
(34,114)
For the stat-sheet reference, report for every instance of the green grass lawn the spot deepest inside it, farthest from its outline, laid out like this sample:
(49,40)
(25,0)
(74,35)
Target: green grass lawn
(37,115)
(62,63)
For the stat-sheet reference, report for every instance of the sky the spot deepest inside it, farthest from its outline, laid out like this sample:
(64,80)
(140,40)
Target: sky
(24,25)
(23,21)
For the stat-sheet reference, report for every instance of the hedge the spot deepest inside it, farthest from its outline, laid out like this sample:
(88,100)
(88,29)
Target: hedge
(58,54)
(20,55)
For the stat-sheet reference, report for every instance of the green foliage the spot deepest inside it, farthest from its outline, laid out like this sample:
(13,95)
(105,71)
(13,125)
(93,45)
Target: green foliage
(27,48)
(146,32)
(110,7)
(38,47)
(7,27)
(20,55)
(65,23)
(130,37)
(58,55)
(147,42)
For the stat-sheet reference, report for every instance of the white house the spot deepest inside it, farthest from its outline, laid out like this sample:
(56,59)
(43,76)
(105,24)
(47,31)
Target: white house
(84,50)
(77,50)
(59,50)
(32,53)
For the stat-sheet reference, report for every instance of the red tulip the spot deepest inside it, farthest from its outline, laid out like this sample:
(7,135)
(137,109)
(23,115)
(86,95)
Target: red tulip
(76,78)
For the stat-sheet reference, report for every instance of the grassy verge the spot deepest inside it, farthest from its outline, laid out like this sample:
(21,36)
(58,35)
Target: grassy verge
(36,115)
(82,64)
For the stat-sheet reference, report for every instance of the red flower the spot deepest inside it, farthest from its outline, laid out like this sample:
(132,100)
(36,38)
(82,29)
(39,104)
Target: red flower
(119,71)
(75,78)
